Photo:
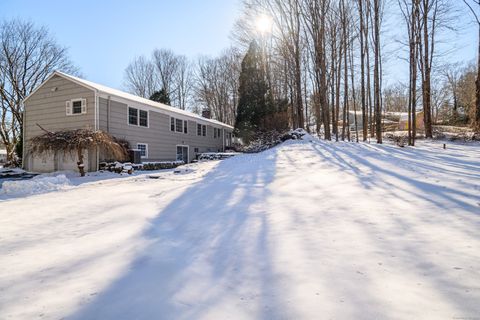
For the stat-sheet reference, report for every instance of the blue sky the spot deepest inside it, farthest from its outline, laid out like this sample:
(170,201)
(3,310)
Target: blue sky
(103,36)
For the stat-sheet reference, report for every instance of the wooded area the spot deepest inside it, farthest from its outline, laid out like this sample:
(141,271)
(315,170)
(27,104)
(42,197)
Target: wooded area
(322,63)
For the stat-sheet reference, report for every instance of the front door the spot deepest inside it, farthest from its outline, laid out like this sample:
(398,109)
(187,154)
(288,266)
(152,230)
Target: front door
(182,153)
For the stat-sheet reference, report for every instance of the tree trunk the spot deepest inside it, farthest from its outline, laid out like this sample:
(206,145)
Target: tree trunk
(426,86)
(477,89)
(345,74)
(369,83)
(362,73)
(376,71)
(80,164)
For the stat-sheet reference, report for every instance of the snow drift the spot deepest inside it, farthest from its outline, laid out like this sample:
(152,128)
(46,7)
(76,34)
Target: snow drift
(35,185)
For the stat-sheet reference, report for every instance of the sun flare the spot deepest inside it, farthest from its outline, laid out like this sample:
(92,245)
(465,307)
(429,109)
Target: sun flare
(263,24)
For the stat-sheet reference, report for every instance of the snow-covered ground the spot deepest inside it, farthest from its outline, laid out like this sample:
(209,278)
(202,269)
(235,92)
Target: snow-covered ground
(302,231)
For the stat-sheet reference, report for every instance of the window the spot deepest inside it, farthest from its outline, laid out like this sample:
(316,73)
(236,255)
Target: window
(137,117)
(199,129)
(143,148)
(143,117)
(132,116)
(76,106)
(204,130)
(216,133)
(178,125)
(195,150)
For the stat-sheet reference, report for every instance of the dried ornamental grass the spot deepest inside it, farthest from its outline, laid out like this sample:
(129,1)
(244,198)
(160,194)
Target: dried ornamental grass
(75,141)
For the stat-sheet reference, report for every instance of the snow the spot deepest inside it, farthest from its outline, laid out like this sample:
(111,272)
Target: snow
(306,230)
(35,185)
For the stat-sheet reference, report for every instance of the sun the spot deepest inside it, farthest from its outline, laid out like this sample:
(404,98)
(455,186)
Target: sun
(263,24)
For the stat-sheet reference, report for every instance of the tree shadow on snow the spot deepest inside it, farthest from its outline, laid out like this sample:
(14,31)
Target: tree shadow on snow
(206,248)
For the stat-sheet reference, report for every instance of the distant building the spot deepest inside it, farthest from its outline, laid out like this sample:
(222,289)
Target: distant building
(403,122)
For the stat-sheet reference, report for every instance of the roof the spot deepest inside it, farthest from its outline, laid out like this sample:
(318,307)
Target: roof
(128,96)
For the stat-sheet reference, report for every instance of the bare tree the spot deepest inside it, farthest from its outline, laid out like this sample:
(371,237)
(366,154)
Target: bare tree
(183,82)
(410,10)
(433,16)
(471,4)
(361,7)
(141,77)
(28,55)
(315,16)
(376,69)
(216,85)
(452,73)
(167,65)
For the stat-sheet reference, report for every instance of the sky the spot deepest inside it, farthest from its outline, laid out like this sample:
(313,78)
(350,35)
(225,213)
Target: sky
(103,36)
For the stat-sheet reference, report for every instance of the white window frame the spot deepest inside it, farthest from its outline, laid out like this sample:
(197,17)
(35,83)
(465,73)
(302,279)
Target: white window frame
(184,124)
(148,118)
(146,149)
(188,151)
(199,124)
(138,117)
(69,106)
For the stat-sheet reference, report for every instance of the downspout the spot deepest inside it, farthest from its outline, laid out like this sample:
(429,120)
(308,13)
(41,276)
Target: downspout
(23,137)
(108,114)
(223,139)
(96,128)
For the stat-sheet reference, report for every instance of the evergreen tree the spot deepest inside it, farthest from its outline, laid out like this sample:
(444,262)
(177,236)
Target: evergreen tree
(254,99)
(161,96)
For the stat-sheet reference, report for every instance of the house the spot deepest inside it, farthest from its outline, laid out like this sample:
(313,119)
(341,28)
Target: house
(158,131)
(403,121)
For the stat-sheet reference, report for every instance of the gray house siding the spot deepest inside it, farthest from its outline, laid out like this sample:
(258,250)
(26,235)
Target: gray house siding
(47,107)
(162,142)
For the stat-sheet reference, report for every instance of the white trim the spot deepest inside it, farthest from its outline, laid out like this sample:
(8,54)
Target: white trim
(175,125)
(188,151)
(196,129)
(96,114)
(83,105)
(24,149)
(146,150)
(61,75)
(138,117)
(130,99)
